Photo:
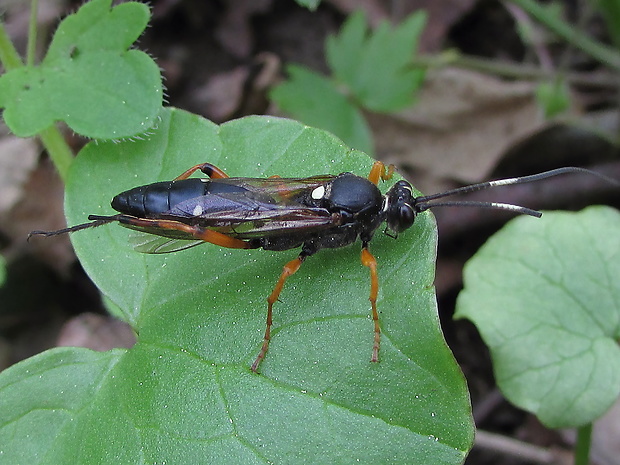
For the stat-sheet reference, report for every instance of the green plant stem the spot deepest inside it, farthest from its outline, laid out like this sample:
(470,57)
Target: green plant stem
(582,448)
(59,151)
(513,70)
(32,33)
(8,55)
(597,50)
(52,139)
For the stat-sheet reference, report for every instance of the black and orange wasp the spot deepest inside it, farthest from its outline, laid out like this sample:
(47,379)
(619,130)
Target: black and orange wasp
(319,212)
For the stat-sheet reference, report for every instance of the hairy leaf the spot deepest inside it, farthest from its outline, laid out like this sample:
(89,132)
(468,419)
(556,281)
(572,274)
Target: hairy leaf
(88,78)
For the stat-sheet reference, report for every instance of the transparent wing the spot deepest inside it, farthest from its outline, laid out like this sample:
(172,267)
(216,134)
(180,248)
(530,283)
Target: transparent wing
(145,242)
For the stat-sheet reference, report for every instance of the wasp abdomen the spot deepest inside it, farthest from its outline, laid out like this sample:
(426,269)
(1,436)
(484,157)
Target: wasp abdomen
(154,199)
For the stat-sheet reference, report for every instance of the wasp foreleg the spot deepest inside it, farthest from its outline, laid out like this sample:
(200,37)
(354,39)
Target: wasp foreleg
(380,171)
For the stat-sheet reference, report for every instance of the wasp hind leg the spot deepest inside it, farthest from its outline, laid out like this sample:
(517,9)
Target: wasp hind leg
(380,171)
(97,221)
(207,168)
(369,260)
(289,269)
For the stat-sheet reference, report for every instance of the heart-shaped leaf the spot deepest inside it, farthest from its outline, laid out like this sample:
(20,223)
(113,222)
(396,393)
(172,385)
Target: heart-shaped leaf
(544,295)
(185,393)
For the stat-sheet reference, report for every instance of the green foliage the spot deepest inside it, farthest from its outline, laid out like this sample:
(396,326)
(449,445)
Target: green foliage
(610,9)
(310,4)
(549,17)
(371,70)
(544,295)
(2,270)
(185,393)
(553,97)
(532,36)
(88,78)
(377,68)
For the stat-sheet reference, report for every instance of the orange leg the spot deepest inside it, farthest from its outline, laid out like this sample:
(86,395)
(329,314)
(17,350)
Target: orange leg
(380,171)
(370,261)
(195,232)
(289,269)
(207,168)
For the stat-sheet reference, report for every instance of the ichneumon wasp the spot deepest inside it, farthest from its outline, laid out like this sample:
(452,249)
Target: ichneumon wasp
(319,212)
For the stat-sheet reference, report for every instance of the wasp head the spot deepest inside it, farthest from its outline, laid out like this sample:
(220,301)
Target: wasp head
(399,207)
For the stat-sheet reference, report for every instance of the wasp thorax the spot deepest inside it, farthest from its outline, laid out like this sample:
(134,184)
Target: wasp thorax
(353,194)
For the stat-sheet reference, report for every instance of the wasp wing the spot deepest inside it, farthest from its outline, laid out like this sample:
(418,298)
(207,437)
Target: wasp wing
(243,208)
(145,242)
(249,215)
(280,190)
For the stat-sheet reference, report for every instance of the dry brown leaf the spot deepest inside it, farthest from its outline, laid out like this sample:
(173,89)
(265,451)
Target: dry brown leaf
(17,159)
(222,94)
(16,17)
(234,31)
(241,91)
(461,125)
(605,447)
(40,208)
(605,444)
(442,14)
(96,332)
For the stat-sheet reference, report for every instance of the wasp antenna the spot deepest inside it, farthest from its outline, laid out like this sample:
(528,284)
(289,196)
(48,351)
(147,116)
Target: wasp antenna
(495,205)
(98,221)
(511,181)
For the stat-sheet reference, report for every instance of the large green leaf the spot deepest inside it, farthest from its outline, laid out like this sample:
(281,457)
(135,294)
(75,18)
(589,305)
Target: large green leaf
(545,296)
(88,78)
(45,402)
(185,393)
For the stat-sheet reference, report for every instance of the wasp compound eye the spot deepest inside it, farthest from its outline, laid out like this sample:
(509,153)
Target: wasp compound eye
(406,216)
(400,216)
